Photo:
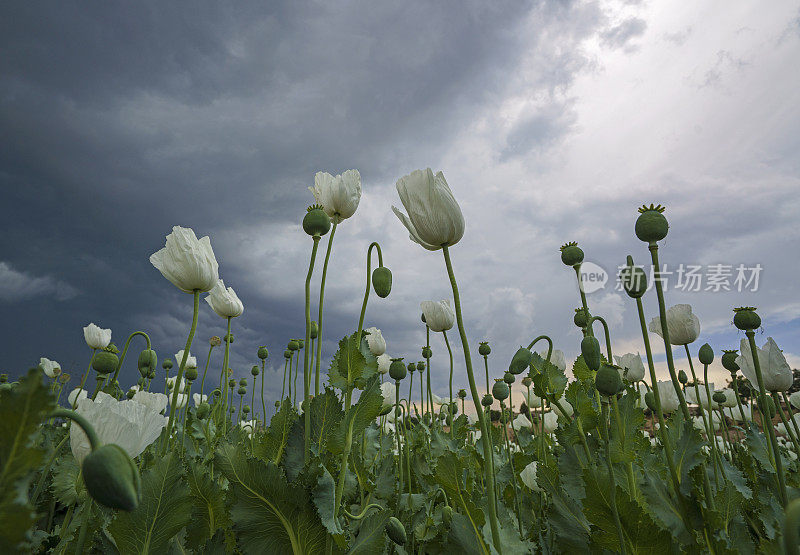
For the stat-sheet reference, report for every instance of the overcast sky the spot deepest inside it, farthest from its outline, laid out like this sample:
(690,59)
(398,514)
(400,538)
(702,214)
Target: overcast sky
(552,122)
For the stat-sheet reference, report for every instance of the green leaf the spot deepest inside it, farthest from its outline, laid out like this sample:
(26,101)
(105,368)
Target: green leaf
(548,379)
(22,409)
(348,363)
(664,508)
(67,483)
(269,515)
(209,512)
(449,469)
(567,519)
(358,417)
(324,496)
(624,429)
(164,510)
(687,453)
(581,371)
(326,414)
(273,445)
(463,534)
(371,537)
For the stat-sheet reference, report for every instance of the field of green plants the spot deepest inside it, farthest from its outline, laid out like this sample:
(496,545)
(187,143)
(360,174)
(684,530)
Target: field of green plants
(359,455)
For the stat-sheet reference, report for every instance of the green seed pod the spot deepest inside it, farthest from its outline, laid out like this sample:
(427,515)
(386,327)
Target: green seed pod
(487,400)
(462,393)
(203,410)
(313,330)
(294,345)
(263,353)
(651,225)
(152,374)
(745,318)
(411,367)
(719,397)
(301,343)
(571,254)
(500,390)
(191,373)
(729,360)
(228,338)
(682,377)
(590,350)
(706,354)
(483,350)
(111,478)
(634,280)
(650,401)
(427,352)
(246,409)
(396,531)
(214,341)
(316,221)
(243,382)
(255,371)
(232,383)
(242,391)
(447,515)
(105,362)
(581,318)
(147,361)
(287,353)
(167,364)
(607,380)
(508,377)
(420,366)
(520,361)
(382,281)
(397,370)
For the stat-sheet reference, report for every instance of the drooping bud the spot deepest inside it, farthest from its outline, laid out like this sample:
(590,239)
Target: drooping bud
(706,354)
(313,330)
(447,515)
(590,350)
(147,361)
(651,225)
(520,361)
(382,281)
(650,400)
(396,531)
(607,380)
(111,478)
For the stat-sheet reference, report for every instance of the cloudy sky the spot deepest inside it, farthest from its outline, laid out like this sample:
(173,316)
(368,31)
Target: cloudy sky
(552,122)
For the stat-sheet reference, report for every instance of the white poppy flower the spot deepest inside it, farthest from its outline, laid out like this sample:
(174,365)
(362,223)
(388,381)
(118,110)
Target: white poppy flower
(668,396)
(557,358)
(51,367)
(683,326)
(567,407)
(224,301)
(775,370)
(130,424)
(384,361)
(155,401)
(388,392)
(186,261)
(438,315)
(631,367)
(248,426)
(375,341)
(736,414)
(339,195)
(191,362)
(198,399)
(439,401)
(76,396)
(434,218)
(528,477)
(171,385)
(794,399)
(550,422)
(532,400)
(183,399)
(521,421)
(96,337)
(702,400)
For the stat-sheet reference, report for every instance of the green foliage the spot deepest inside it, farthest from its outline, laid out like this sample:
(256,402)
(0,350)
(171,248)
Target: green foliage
(209,512)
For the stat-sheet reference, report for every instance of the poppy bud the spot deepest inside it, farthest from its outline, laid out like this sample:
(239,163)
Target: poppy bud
(729,360)
(651,225)
(396,531)
(483,350)
(111,478)
(397,370)
(263,353)
(607,380)
(682,377)
(316,221)
(745,318)
(500,390)
(462,393)
(411,367)
(420,366)
(634,280)
(254,371)
(294,345)
(216,392)
(508,377)
(246,409)
(427,352)
(386,410)
(203,410)
(313,331)
(650,400)
(590,350)
(191,373)
(571,254)
(520,361)
(382,281)
(487,400)
(581,318)
(147,361)
(287,353)
(719,397)
(215,341)
(706,354)
(167,364)
(105,362)
(242,391)
(447,515)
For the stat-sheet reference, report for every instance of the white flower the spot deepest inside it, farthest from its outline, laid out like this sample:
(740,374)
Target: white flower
(183,399)
(521,421)
(557,358)
(477,436)
(171,385)
(375,341)
(775,370)
(641,389)
(567,408)
(96,337)
(439,316)
(471,419)
(76,396)
(683,326)
(730,397)
(155,401)
(528,477)
(384,361)
(702,400)
(388,393)
(187,262)
(550,422)
(532,400)
(736,414)
(340,195)
(632,367)
(668,396)
(198,399)
(248,426)
(131,425)
(51,367)
(439,401)
(434,218)
(224,301)
(794,399)
(191,362)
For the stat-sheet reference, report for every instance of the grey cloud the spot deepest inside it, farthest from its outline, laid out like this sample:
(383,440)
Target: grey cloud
(16,286)
(620,35)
